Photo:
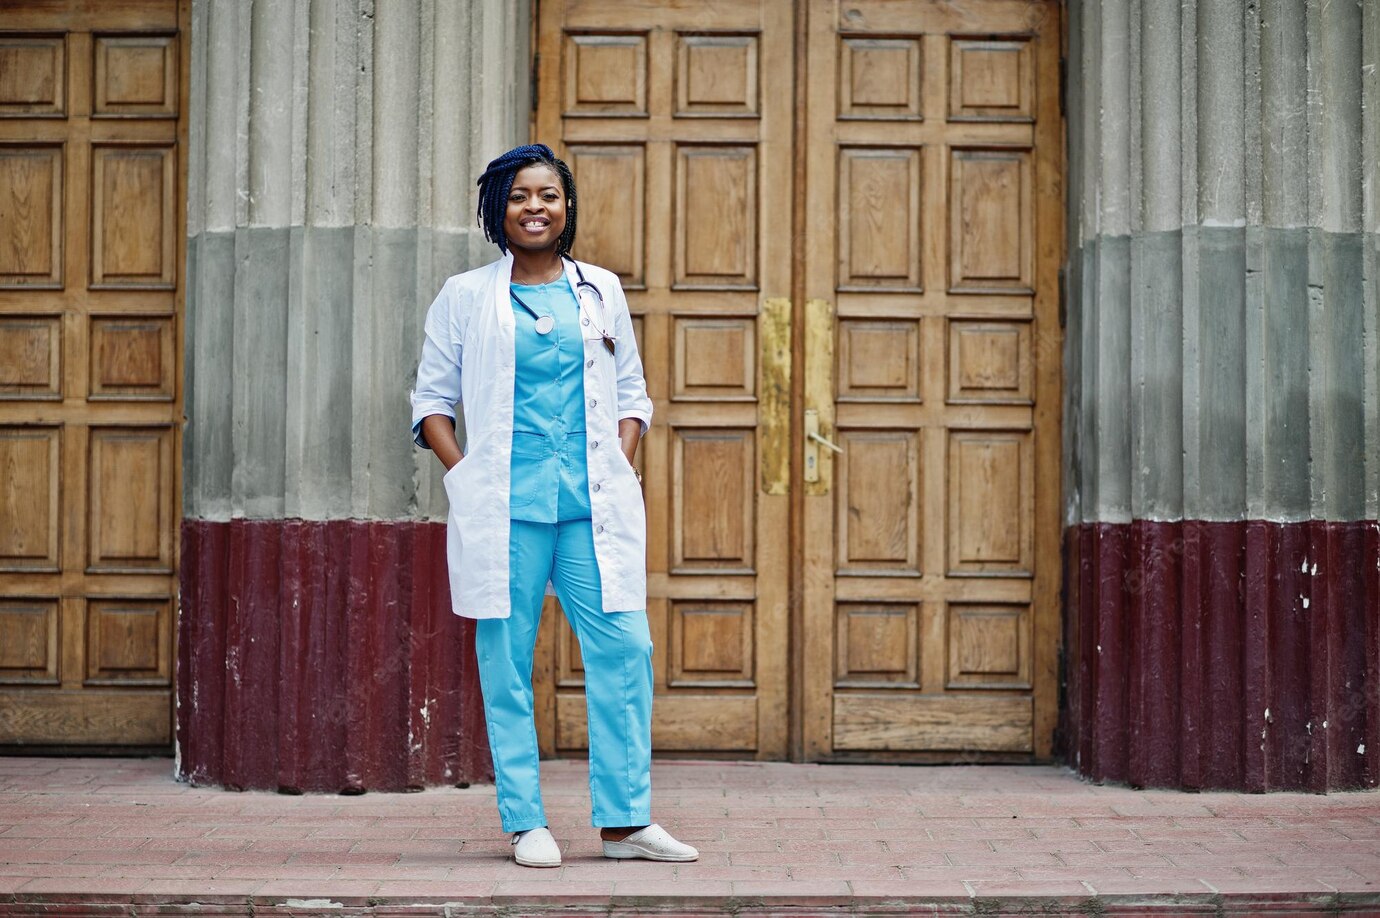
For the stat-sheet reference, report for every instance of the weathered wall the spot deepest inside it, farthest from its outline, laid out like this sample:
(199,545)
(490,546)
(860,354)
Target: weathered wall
(334,149)
(1222,454)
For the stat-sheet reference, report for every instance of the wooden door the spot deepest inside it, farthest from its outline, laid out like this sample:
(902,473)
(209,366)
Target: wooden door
(933,232)
(676,119)
(91,199)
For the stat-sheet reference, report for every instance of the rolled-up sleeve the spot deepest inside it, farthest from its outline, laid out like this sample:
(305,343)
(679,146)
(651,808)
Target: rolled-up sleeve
(438,372)
(633,401)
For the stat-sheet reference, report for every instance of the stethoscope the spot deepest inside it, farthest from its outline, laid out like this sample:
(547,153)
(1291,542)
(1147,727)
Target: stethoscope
(546,323)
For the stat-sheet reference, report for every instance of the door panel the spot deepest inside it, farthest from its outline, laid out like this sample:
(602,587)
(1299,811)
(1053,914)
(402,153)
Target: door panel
(91,191)
(931,362)
(674,122)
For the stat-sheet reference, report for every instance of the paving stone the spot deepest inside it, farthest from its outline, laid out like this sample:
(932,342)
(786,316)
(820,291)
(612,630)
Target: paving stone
(335,889)
(199,888)
(813,893)
(82,885)
(434,890)
(771,835)
(909,889)
(646,889)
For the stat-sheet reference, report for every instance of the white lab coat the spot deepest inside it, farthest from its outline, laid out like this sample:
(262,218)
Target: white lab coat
(468,356)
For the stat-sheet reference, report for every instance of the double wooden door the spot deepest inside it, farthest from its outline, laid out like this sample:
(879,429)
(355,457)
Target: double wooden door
(839,225)
(91,122)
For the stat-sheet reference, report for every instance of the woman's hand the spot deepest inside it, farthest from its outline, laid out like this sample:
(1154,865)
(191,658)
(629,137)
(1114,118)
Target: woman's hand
(439,433)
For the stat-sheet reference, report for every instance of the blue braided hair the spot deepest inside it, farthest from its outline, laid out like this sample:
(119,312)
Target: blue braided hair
(497,181)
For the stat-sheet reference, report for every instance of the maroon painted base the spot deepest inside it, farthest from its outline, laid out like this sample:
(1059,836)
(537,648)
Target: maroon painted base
(1223,655)
(323,656)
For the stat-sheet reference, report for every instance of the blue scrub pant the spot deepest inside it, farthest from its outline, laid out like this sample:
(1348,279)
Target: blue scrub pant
(616,649)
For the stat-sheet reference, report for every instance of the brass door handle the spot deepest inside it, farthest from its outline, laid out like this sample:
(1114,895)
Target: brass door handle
(813,441)
(824,441)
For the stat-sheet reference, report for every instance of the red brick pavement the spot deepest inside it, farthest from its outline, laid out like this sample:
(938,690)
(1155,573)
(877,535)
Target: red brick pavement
(106,836)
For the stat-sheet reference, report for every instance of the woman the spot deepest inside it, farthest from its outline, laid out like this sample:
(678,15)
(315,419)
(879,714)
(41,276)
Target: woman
(539,349)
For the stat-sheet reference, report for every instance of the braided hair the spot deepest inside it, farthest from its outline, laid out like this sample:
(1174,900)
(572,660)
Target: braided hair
(497,181)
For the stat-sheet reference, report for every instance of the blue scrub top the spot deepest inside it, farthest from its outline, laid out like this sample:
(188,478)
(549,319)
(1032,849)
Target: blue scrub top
(550,479)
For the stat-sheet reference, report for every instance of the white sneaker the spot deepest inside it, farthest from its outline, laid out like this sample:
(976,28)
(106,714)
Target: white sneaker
(652,843)
(536,848)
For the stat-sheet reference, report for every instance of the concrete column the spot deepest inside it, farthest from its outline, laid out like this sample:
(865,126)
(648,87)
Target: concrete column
(1222,407)
(334,146)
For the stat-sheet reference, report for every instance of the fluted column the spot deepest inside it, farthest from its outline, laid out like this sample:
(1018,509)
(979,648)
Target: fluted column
(334,146)
(1222,408)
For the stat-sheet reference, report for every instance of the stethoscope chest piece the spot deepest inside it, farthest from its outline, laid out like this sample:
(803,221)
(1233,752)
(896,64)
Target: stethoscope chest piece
(586,295)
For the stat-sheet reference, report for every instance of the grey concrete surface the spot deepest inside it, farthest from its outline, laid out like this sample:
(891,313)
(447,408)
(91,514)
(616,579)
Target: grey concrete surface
(333,152)
(1221,359)
(1222,355)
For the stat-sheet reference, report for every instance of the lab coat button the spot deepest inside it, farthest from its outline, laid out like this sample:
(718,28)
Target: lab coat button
(589,363)
(584,321)
(594,444)
(599,529)
(596,486)
(593,402)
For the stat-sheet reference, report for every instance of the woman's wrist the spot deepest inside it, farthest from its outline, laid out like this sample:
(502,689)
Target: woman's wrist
(629,435)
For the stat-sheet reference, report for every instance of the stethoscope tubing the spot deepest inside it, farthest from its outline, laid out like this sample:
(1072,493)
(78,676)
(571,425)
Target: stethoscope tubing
(580,285)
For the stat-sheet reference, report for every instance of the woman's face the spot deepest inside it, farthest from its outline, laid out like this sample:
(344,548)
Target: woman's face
(535,217)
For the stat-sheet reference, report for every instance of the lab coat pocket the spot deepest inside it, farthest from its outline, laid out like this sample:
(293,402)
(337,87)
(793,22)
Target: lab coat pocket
(529,452)
(630,470)
(452,475)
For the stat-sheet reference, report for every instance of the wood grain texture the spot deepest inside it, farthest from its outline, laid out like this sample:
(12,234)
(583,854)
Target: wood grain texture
(134,218)
(716,216)
(717,76)
(924,281)
(879,78)
(992,220)
(30,357)
(989,646)
(130,499)
(990,362)
(713,479)
(33,75)
(680,141)
(680,723)
(93,717)
(92,178)
(605,75)
(900,723)
(991,79)
(28,641)
(929,248)
(613,208)
(879,220)
(136,76)
(132,358)
(31,190)
(710,645)
(877,646)
(877,493)
(715,358)
(30,498)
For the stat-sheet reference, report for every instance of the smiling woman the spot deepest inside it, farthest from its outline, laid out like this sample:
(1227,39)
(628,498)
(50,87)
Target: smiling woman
(535,501)
(547,185)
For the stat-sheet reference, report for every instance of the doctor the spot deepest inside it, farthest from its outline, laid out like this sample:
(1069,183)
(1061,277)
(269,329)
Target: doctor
(539,350)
